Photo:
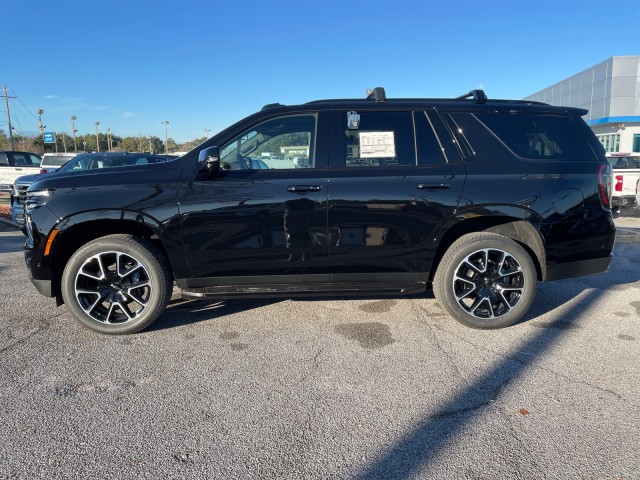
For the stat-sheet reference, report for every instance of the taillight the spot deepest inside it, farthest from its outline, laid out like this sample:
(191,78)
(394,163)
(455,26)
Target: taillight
(618,186)
(43,170)
(604,184)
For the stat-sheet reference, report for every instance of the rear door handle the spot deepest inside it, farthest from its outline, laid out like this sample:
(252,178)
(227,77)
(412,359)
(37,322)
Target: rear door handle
(304,188)
(434,186)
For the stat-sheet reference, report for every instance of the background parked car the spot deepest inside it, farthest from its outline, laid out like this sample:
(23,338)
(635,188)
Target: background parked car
(78,162)
(14,164)
(53,161)
(258,164)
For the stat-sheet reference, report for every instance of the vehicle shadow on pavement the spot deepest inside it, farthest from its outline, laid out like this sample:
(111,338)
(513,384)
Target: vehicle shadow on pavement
(182,312)
(415,450)
(421,444)
(549,296)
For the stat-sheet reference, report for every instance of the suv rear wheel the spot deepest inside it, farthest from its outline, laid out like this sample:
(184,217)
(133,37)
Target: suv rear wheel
(117,284)
(485,281)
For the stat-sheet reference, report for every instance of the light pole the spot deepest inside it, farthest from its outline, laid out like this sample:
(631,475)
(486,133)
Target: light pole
(206,133)
(73,132)
(108,139)
(64,141)
(97,138)
(40,112)
(166,136)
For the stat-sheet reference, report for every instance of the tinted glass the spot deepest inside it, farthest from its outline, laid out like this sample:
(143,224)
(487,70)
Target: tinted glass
(629,161)
(90,161)
(540,136)
(382,139)
(21,160)
(57,161)
(430,149)
(447,142)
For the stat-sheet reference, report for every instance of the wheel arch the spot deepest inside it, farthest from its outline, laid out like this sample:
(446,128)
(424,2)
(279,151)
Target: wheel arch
(80,231)
(516,229)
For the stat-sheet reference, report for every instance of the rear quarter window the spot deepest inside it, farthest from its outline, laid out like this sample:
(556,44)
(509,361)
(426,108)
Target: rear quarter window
(546,137)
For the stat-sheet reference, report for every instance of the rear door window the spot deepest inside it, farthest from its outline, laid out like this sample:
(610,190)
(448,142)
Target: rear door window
(378,139)
(551,137)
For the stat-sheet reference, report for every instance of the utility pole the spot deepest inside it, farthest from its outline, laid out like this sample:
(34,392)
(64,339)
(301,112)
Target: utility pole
(97,139)
(206,133)
(73,131)
(166,136)
(40,112)
(108,139)
(6,101)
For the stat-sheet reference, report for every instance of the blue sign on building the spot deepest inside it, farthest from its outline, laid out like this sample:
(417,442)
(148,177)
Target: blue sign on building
(49,137)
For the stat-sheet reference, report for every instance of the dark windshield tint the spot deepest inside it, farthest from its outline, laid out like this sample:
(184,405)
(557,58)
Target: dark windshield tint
(93,161)
(550,137)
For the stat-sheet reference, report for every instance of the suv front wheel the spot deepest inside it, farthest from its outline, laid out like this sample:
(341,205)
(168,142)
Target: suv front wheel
(485,280)
(117,284)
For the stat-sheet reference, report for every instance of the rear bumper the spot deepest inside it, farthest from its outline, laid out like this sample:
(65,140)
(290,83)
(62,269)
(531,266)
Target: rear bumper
(580,268)
(622,200)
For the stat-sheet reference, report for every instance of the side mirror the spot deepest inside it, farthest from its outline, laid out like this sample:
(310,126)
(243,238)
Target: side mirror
(209,160)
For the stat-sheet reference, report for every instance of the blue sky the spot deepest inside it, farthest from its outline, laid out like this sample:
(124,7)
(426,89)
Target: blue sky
(206,64)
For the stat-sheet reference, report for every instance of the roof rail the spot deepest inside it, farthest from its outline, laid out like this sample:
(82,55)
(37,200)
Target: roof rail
(378,94)
(478,96)
(272,105)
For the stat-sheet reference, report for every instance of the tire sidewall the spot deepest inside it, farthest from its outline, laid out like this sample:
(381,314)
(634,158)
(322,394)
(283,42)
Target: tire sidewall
(145,253)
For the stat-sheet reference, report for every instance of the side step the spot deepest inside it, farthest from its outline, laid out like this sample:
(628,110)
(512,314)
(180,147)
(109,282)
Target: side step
(303,290)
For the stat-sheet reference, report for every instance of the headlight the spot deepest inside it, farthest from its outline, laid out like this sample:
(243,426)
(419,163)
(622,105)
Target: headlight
(37,198)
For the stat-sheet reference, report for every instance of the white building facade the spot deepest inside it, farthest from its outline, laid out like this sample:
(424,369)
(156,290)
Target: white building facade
(611,93)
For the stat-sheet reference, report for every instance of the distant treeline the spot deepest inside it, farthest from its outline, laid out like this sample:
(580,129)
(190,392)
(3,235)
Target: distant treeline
(87,142)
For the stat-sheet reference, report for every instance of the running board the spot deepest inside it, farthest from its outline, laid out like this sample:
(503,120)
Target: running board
(302,290)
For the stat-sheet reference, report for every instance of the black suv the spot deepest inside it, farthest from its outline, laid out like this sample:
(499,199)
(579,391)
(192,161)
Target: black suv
(479,198)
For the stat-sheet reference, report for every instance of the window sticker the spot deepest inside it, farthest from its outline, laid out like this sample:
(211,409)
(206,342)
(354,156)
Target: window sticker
(377,145)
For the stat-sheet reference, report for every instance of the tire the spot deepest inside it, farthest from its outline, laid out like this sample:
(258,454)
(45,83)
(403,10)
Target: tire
(121,300)
(485,281)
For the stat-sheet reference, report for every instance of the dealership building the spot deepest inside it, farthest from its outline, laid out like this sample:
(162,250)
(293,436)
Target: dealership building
(611,92)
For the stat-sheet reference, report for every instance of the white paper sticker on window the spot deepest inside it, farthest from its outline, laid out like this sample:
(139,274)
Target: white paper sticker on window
(377,145)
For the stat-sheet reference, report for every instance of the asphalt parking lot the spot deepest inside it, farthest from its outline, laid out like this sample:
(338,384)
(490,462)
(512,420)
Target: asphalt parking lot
(341,388)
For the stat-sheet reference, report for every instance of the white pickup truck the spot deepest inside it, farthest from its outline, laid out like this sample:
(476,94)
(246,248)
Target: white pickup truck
(626,174)
(16,164)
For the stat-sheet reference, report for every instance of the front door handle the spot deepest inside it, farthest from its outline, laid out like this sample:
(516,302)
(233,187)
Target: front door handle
(304,188)
(434,186)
